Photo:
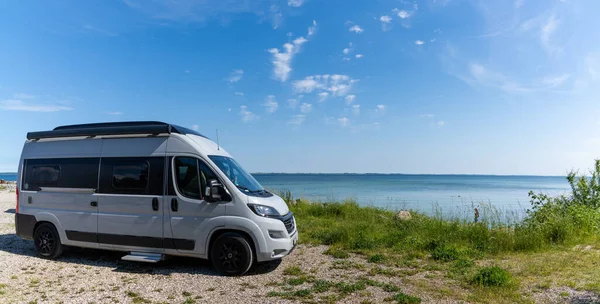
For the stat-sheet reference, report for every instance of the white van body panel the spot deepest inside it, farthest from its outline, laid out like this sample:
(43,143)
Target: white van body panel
(125,216)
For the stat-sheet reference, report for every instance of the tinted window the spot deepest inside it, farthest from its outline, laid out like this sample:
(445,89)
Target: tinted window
(133,175)
(61,173)
(46,175)
(186,174)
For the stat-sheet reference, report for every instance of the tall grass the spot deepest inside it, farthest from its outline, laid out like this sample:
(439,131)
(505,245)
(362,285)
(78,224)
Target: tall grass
(550,222)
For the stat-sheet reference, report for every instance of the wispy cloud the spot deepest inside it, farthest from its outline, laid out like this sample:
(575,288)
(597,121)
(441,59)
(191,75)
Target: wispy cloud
(419,42)
(282,59)
(247,116)
(348,50)
(343,121)
(115,113)
(323,96)
(305,107)
(385,22)
(427,115)
(554,81)
(297,119)
(358,56)
(292,103)
(19,105)
(402,14)
(96,30)
(519,3)
(441,123)
(238,93)
(235,76)
(350,99)
(23,96)
(295,3)
(546,33)
(356,109)
(356,28)
(271,104)
(380,108)
(195,127)
(337,85)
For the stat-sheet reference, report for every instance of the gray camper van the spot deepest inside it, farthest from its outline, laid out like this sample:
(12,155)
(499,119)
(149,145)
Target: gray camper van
(150,189)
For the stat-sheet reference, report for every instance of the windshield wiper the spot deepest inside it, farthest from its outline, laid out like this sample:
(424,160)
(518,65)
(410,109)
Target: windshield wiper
(251,191)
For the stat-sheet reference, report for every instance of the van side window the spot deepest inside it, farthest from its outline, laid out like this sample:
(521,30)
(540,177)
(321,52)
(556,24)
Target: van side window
(79,173)
(46,175)
(186,174)
(130,175)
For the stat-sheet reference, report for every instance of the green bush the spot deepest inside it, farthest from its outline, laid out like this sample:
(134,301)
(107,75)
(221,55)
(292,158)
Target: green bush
(376,258)
(403,298)
(337,253)
(491,276)
(445,254)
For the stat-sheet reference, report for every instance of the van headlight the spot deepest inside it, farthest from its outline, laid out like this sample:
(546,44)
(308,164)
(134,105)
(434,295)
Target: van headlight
(263,210)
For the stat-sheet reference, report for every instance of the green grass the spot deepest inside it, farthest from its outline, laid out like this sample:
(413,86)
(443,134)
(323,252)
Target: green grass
(293,270)
(402,298)
(492,276)
(337,253)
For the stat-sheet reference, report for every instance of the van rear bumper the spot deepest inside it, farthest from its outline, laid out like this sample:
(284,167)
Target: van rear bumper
(24,224)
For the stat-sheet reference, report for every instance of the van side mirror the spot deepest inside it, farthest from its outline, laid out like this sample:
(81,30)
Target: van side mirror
(216,192)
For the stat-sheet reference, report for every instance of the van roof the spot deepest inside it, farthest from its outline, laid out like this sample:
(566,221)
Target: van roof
(112,128)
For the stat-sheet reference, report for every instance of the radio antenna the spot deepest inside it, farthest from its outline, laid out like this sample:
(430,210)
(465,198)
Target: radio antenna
(218,146)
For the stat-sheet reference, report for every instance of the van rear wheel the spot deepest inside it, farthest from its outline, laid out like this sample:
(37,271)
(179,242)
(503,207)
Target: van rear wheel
(231,254)
(47,241)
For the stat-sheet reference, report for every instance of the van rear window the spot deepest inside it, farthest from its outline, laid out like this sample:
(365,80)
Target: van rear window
(61,173)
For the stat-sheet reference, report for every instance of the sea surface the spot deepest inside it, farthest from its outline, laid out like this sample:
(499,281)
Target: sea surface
(450,195)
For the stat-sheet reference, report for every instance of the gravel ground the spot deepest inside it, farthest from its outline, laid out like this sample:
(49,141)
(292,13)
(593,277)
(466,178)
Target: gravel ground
(97,276)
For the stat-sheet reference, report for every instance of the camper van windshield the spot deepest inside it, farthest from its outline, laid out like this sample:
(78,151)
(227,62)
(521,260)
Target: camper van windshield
(242,179)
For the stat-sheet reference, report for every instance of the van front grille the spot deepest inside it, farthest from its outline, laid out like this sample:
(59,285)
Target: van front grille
(288,221)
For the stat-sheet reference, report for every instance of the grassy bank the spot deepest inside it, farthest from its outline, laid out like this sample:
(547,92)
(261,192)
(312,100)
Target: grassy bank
(494,260)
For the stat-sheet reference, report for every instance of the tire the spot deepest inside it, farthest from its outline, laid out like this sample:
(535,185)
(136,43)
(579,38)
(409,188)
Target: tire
(47,242)
(231,254)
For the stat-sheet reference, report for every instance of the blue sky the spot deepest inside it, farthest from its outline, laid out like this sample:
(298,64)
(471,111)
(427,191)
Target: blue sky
(455,86)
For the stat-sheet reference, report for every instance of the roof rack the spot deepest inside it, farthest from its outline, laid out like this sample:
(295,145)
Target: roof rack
(112,128)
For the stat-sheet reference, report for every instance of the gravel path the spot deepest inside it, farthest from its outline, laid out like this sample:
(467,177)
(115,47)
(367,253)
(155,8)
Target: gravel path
(97,276)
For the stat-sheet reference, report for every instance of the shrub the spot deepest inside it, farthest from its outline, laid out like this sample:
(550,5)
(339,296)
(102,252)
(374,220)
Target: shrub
(376,258)
(337,253)
(292,270)
(321,286)
(403,298)
(445,254)
(491,276)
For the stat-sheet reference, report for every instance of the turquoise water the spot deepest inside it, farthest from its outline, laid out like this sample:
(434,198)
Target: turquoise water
(449,194)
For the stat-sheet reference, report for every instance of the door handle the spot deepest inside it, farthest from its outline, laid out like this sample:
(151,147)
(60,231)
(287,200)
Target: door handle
(155,204)
(94,204)
(174,205)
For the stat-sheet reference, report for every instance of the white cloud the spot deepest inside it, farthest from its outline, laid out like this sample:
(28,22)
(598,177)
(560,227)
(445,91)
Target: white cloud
(385,19)
(239,93)
(276,16)
(305,107)
(18,105)
(282,60)
(356,109)
(441,123)
(427,115)
(23,96)
(555,81)
(519,3)
(357,29)
(235,76)
(323,96)
(343,121)
(297,119)
(271,104)
(247,116)
(380,108)
(350,98)
(401,13)
(349,49)
(419,42)
(546,33)
(359,56)
(195,127)
(336,85)
(292,103)
(312,29)
(295,3)
(115,113)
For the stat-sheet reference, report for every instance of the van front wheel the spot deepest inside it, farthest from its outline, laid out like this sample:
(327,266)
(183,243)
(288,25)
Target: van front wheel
(231,254)
(47,241)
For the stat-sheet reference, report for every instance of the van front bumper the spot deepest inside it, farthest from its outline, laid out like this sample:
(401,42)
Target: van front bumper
(278,248)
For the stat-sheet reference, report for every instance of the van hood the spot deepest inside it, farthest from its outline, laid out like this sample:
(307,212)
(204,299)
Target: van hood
(273,201)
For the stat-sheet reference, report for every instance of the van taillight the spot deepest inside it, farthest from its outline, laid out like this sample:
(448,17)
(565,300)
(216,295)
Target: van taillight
(17,207)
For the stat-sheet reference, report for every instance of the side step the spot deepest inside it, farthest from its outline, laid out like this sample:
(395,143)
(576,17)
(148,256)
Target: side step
(143,257)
